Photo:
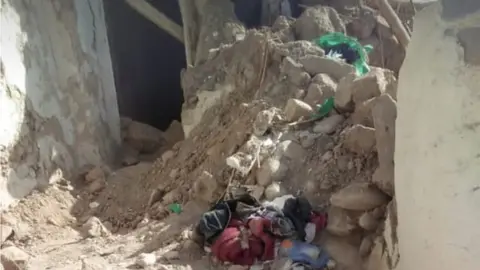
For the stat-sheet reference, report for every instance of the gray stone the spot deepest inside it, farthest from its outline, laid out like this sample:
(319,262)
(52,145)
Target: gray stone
(363,113)
(320,89)
(339,222)
(272,170)
(273,191)
(294,71)
(296,109)
(383,177)
(363,26)
(205,187)
(317,21)
(94,228)
(263,122)
(359,197)
(329,124)
(371,85)
(360,139)
(343,93)
(14,254)
(315,65)
(368,221)
(5,232)
(291,149)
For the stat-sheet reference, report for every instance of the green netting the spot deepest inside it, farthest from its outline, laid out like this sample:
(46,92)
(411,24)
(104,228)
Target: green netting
(333,39)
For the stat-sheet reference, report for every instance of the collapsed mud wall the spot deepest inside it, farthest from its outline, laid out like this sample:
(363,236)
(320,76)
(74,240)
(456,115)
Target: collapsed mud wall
(437,158)
(57,94)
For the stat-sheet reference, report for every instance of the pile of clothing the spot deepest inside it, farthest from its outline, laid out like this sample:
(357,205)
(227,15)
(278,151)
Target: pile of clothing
(243,231)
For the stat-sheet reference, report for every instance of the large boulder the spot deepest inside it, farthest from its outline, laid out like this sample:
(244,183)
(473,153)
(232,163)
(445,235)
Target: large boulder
(317,21)
(359,197)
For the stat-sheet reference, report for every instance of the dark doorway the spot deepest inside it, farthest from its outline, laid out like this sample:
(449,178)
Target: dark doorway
(147,62)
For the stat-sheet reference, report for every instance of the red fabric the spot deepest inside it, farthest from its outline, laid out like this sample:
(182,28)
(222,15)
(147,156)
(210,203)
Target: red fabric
(320,220)
(228,246)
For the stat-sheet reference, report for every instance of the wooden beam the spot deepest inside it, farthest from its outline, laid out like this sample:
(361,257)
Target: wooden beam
(157,17)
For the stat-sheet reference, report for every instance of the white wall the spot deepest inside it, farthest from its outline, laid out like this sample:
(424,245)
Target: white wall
(58,108)
(437,158)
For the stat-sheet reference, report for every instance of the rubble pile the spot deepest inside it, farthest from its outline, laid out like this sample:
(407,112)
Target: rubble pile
(249,117)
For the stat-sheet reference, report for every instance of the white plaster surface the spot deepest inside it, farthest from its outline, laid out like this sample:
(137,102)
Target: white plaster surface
(58,108)
(437,158)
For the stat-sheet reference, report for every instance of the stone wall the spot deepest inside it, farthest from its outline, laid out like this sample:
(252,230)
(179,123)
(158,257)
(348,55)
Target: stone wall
(58,108)
(437,158)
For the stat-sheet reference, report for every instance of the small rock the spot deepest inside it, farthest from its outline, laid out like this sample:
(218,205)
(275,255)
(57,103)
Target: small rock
(93,205)
(383,177)
(5,232)
(359,197)
(171,255)
(315,65)
(14,254)
(366,246)
(363,113)
(272,170)
(95,174)
(339,222)
(368,221)
(145,260)
(273,191)
(294,71)
(343,94)
(205,187)
(174,132)
(307,139)
(362,27)
(296,109)
(97,185)
(172,196)
(130,156)
(321,88)
(372,84)
(167,155)
(257,192)
(291,149)
(317,21)
(360,139)
(94,228)
(329,124)
(144,138)
(8,264)
(299,94)
(96,263)
(263,121)
(384,116)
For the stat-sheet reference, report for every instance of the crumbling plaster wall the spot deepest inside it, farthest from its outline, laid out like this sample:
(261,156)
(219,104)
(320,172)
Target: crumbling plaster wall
(437,158)
(58,108)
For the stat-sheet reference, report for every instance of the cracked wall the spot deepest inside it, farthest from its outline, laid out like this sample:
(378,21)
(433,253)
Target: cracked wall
(58,105)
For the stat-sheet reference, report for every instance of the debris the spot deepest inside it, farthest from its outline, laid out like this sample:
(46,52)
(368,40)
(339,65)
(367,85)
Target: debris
(5,232)
(320,89)
(14,254)
(360,139)
(329,124)
(273,191)
(290,149)
(95,174)
(372,84)
(317,21)
(297,109)
(339,222)
(205,187)
(175,208)
(167,155)
(359,197)
(363,113)
(263,121)
(366,246)
(144,138)
(96,263)
(316,65)
(94,228)
(294,71)
(325,108)
(368,221)
(272,170)
(348,48)
(344,95)
(145,260)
